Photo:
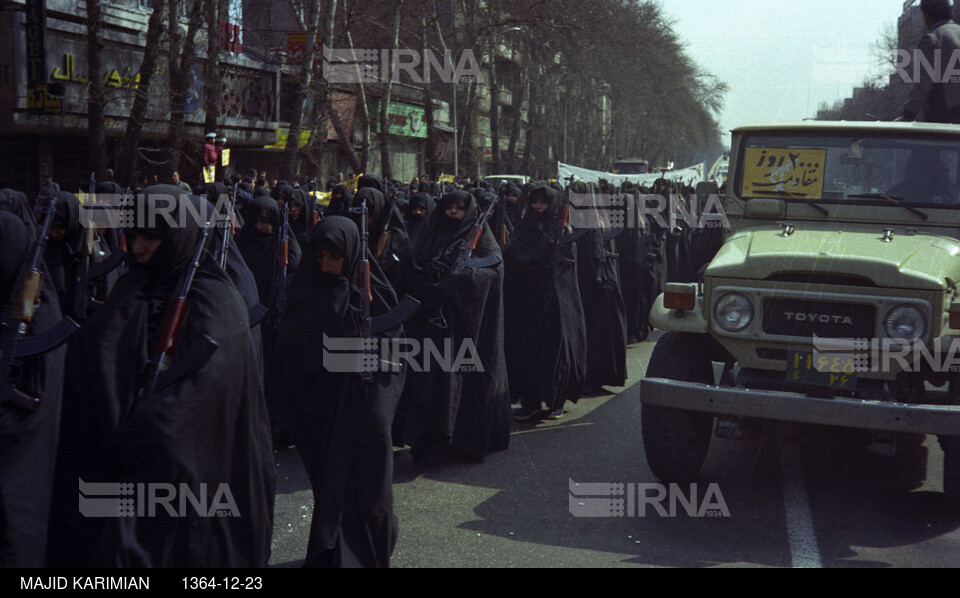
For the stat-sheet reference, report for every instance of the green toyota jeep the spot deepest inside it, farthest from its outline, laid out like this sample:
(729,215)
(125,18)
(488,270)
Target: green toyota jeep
(833,299)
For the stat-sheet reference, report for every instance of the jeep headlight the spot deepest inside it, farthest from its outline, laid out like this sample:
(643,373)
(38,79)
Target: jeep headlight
(904,322)
(733,312)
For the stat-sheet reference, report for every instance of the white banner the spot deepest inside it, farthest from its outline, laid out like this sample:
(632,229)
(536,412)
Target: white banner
(689,176)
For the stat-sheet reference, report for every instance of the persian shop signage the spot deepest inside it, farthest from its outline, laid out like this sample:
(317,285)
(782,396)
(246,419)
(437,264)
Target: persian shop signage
(404,120)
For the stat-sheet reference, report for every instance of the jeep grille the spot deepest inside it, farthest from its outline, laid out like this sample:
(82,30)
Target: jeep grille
(792,317)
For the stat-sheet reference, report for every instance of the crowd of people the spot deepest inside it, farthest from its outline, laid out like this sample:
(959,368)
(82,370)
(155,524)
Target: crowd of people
(206,348)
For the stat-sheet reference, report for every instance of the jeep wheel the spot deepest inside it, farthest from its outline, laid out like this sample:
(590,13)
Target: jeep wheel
(951,453)
(676,441)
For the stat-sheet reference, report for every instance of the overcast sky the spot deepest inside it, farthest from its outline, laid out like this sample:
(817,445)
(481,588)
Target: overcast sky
(782,59)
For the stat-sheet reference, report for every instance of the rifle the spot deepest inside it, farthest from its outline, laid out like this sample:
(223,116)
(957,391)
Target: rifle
(385,233)
(87,247)
(469,244)
(366,290)
(228,229)
(283,258)
(172,322)
(14,328)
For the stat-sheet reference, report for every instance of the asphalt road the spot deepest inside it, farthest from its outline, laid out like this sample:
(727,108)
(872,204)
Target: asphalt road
(822,501)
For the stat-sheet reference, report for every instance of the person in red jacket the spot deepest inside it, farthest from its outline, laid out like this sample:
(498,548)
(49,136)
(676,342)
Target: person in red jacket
(210,153)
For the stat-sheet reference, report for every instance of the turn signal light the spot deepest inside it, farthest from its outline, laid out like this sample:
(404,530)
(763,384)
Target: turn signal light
(955,315)
(681,296)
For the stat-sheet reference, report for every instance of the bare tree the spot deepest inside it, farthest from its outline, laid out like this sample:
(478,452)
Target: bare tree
(181,52)
(385,169)
(151,55)
(289,165)
(96,135)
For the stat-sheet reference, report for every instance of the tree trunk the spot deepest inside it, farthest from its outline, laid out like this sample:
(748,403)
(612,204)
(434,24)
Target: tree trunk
(385,169)
(180,58)
(151,53)
(96,136)
(343,139)
(211,70)
(430,147)
(494,114)
(365,113)
(289,165)
(515,128)
(174,77)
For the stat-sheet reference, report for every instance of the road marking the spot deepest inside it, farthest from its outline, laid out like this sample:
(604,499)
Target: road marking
(549,428)
(804,552)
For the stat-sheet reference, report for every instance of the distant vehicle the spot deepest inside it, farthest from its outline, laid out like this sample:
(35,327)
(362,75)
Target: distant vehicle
(495,180)
(718,173)
(631,166)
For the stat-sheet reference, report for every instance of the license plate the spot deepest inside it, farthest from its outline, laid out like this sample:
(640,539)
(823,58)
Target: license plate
(833,370)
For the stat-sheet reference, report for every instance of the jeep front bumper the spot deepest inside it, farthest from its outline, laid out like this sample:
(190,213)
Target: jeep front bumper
(941,420)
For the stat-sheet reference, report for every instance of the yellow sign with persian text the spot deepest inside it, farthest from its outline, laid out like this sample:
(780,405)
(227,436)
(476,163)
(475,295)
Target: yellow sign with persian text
(775,172)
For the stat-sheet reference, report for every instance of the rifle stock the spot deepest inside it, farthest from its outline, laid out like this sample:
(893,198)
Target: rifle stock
(173,320)
(25,298)
(228,228)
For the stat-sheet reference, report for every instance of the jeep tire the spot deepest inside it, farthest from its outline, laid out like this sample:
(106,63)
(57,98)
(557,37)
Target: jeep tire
(951,453)
(675,441)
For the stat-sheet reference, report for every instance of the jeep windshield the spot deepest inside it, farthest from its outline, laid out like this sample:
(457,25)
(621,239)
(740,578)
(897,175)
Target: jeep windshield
(882,170)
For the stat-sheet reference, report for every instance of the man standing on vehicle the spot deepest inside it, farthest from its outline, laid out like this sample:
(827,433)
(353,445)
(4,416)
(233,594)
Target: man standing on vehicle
(939,100)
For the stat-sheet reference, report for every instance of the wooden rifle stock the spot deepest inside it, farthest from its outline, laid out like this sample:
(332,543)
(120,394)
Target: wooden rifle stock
(172,322)
(25,299)
(173,318)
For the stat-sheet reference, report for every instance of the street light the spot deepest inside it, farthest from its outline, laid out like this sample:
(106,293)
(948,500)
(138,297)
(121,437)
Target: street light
(453,85)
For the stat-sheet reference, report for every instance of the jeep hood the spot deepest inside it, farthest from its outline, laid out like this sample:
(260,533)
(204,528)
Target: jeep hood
(918,261)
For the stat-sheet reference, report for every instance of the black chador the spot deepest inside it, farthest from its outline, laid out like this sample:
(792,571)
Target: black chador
(235,267)
(258,242)
(341,198)
(340,424)
(501,224)
(466,404)
(203,429)
(17,202)
(388,236)
(545,335)
(28,439)
(419,209)
(638,249)
(301,206)
(62,252)
(603,309)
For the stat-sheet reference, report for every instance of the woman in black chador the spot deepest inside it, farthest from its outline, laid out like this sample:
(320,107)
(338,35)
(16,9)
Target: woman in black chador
(546,342)
(466,405)
(389,243)
(603,309)
(62,252)
(341,424)
(258,242)
(28,439)
(203,429)
(341,199)
(17,202)
(419,209)
(301,209)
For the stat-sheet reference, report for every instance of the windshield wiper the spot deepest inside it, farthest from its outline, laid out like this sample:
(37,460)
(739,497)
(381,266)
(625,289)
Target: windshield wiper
(805,200)
(895,200)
